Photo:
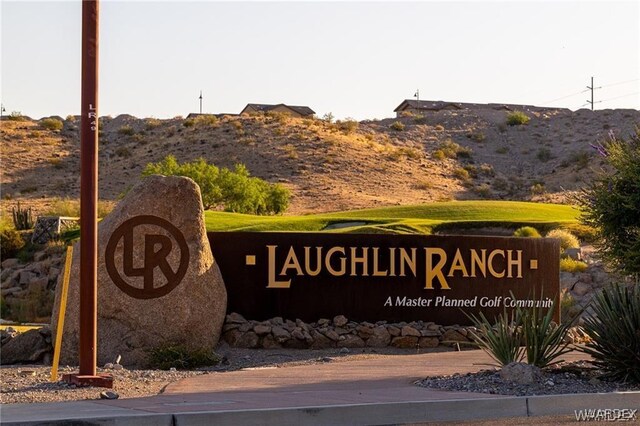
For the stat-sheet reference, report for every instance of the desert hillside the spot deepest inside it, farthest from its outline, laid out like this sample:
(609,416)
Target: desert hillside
(440,155)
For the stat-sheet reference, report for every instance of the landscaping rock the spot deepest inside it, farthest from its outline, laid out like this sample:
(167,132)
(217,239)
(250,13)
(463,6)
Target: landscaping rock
(520,373)
(409,331)
(352,341)
(190,314)
(453,335)
(340,321)
(9,263)
(380,338)
(28,347)
(405,342)
(428,342)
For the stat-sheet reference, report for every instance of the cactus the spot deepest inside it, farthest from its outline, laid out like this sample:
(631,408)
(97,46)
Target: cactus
(22,218)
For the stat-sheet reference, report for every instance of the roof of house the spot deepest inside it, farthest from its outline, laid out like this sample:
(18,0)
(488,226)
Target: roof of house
(219,115)
(426,105)
(302,110)
(440,105)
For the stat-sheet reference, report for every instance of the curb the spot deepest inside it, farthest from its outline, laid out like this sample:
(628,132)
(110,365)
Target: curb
(354,414)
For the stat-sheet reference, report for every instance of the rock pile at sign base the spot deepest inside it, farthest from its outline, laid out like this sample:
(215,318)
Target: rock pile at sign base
(190,315)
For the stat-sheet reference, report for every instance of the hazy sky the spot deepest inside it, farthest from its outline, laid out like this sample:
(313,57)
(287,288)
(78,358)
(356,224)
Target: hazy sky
(354,59)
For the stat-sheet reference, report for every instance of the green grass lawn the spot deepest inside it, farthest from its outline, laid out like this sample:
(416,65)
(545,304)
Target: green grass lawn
(422,218)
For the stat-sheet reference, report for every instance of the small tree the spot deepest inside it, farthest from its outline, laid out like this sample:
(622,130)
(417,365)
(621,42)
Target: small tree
(235,190)
(611,204)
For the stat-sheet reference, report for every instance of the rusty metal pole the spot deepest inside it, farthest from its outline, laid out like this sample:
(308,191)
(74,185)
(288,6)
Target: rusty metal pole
(89,190)
(89,202)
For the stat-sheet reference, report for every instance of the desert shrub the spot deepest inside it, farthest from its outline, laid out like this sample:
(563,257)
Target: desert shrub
(64,207)
(567,304)
(36,306)
(571,265)
(423,184)
(189,122)
(544,155)
(51,124)
(397,126)
(151,123)
(123,151)
(16,116)
(477,136)
(614,330)
(462,174)
(439,128)
(611,202)
(206,120)
(348,126)
(11,242)
(328,117)
(68,207)
(126,130)
(537,189)
(500,339)
(439,154)
(567,239)
(179,357)
(502,150)
(517,118)
(483,190)
(450,149)
(404,151)
(291,151)
(487,169)
(527,232)
(279,117)
(583,232)
(235,190)
(581,159)
(419,119)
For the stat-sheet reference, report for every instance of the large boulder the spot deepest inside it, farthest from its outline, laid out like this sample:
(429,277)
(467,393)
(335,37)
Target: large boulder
(158,284)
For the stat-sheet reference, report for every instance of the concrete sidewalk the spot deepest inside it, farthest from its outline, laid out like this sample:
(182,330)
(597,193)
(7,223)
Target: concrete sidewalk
(372,391)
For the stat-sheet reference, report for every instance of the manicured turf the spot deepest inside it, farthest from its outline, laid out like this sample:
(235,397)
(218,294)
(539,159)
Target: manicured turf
(405,219)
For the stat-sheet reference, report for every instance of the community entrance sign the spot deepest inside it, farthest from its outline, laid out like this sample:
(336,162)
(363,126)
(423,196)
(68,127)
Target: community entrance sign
(157,248)
(383,277)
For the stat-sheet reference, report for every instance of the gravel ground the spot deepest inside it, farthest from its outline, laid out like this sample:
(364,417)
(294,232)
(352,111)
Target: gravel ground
(574,377)
(31,383)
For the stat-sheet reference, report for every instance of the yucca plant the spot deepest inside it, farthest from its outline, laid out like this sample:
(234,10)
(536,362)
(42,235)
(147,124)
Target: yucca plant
(614,330)
(501,341)
(22,218)
(544,340)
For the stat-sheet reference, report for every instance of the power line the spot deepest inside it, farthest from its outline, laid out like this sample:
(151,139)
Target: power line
(567,96)
(621,82)
(621,96)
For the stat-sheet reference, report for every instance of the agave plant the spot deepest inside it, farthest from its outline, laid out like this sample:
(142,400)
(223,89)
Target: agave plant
(614,330)
(501,341)
(544,339)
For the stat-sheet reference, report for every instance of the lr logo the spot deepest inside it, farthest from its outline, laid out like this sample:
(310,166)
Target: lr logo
(157,247)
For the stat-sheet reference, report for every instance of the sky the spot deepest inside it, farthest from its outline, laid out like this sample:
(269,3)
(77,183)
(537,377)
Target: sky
(353,59)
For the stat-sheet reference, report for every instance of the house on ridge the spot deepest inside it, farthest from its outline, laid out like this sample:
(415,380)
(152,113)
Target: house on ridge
(294,111)
(416,107)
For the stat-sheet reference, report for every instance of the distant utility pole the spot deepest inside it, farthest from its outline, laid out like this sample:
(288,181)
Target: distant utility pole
(417,95)
(2,110)
(201,102)
(592,88)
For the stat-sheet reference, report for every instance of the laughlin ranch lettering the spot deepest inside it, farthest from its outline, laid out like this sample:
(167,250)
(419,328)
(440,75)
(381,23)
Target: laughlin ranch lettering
(392,262)
(381,277)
